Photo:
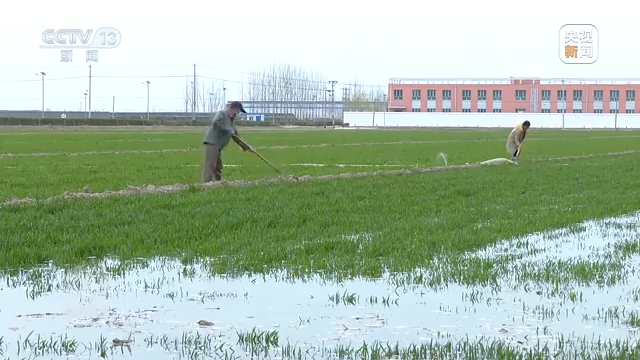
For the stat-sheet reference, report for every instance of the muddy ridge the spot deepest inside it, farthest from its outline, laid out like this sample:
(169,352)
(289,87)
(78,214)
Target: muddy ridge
(163,189)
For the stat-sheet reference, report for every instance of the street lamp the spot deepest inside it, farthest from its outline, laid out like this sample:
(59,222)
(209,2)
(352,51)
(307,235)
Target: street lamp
(86,92)
(42,74)
(224,91)
(147,83)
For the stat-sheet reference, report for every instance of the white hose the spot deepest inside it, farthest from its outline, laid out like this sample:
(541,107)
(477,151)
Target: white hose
(497,161)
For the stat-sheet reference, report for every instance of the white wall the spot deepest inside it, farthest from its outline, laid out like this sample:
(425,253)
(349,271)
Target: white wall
(538,120)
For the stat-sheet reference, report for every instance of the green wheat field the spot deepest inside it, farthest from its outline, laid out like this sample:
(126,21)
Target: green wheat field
(538,260)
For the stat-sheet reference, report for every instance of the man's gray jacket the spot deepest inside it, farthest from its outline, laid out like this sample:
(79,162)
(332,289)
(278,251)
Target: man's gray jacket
(221,129)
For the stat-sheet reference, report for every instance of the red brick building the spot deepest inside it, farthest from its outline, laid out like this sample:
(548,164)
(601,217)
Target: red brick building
(535,95)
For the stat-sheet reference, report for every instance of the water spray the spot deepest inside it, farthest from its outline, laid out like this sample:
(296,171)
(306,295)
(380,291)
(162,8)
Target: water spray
(443,156)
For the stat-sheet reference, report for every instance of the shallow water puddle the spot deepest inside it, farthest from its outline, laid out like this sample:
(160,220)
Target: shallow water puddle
(162,309)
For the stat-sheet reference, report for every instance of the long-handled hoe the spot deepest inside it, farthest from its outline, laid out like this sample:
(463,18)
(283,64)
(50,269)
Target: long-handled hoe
(247,147)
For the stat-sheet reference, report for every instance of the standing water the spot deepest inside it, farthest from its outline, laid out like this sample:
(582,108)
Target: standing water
(444,158)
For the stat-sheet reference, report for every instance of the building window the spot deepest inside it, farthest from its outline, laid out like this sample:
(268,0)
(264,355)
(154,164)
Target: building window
(466,110)
(546,111)
(614,95)
(497,95)
(520,110)
(560,111)
(397,94)
(482,95)
(598,95)
(466,95)
(431,95)
(546,95)
(613,111)
(521,95)
(597,111)
(415,110)
(446,94)
(415,94)
(446,110)
(482,110)
(577,95)
(497,110)
(562,95)
(577,111)
(631,95)
(431,110)
(630,111)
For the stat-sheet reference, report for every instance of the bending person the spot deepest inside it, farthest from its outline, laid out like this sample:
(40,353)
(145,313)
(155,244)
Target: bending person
(515,139)
(222,128)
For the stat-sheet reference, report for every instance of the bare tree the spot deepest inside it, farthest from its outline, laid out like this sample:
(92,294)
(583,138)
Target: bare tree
(216,96)
(194,99)
(187,97)
(365,98)
(286,92)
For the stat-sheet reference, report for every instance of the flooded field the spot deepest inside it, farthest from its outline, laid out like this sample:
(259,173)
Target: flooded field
(569,293)
(367,247)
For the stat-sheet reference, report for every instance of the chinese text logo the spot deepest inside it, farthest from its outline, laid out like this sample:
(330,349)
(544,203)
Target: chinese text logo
(104,38)
(578,44)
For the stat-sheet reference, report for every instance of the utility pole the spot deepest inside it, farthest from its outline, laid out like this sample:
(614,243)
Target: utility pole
(344,99)
(333,104)
(194,93)
(615,126)
(85,103)
(564,97)
(113,108)
(42,74)
(147,83)
(386,108)
(89,91)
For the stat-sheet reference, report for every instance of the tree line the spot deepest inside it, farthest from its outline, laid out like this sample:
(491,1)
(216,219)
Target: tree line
(289,92)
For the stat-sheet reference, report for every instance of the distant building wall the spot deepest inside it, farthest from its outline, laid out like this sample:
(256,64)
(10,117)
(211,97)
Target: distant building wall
(529,95)
(491,120)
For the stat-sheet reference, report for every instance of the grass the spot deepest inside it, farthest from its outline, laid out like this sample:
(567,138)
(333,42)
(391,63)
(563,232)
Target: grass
(44,176)
(265,344)
(421,230)
(299,226)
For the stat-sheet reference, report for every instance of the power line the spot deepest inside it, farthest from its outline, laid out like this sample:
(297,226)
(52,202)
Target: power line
(47,79)
(252,73)
(145,66)
(137,77)
(265,75)
(29,68)
(95,97)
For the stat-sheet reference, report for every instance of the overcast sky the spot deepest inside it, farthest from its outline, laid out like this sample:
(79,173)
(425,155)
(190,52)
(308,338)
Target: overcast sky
(375,41)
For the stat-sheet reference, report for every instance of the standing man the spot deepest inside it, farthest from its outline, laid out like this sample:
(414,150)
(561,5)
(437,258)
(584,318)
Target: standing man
(218,135)
(515,139)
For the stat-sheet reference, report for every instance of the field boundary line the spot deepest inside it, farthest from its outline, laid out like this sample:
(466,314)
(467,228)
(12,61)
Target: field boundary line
(284,147)
(89,141)
(165,189)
